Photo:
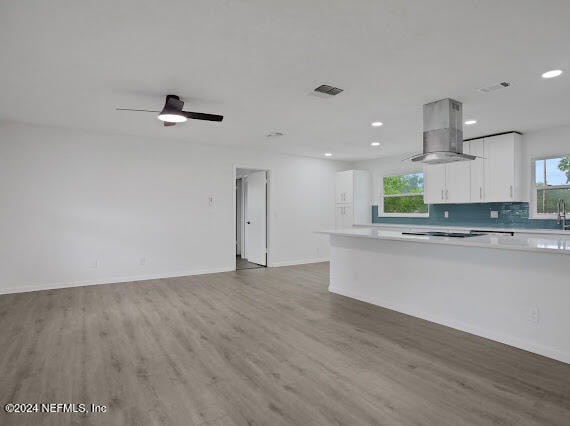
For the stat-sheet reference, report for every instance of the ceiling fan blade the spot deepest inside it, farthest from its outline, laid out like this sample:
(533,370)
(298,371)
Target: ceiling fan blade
(202,116)
(167,123)
(173,102)
(136,110)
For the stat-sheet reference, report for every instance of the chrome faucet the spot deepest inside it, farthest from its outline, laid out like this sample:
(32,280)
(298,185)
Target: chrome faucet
(561,216)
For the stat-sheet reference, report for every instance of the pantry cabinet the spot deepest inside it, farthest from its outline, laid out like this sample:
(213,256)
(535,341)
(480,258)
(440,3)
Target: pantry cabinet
(353,198)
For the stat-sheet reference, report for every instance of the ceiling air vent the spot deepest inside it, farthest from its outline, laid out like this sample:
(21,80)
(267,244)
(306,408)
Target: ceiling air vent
(328,90)
(494,87)
(274,134)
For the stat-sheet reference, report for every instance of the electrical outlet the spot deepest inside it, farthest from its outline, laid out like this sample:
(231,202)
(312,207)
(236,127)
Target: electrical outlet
(446,214)
(142,261)
(494,214)
(533,314)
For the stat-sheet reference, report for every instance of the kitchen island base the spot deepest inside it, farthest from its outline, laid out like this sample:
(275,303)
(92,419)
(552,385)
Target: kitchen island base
(519,298)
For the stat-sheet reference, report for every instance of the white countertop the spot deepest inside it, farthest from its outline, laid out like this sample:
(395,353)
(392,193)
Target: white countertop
(556,244)
(464,228)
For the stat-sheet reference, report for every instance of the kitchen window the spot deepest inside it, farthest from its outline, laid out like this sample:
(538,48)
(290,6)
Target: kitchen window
(403,195)
(551,183)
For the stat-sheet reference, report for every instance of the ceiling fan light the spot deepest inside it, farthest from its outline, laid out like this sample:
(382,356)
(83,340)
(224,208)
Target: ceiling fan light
(172,117)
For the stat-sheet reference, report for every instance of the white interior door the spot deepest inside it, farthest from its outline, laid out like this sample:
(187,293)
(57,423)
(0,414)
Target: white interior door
(256,220)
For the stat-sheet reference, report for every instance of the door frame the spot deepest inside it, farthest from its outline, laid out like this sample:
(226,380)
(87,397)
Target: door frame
(268,221)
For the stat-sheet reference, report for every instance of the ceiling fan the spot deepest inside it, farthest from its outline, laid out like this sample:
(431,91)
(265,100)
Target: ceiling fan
(172,112)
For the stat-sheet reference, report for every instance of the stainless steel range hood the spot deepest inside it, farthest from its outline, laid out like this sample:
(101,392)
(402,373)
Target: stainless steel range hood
(443,133)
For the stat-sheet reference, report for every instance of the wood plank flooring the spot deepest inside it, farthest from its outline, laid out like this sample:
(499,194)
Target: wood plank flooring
(263,346)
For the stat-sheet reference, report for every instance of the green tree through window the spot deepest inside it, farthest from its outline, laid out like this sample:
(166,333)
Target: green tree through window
(404,194)
(552,183)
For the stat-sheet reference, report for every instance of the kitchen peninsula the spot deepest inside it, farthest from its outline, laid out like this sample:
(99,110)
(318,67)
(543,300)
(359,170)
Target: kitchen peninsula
(514,289)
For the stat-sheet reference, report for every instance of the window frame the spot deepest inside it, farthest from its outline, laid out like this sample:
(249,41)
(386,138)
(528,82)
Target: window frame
(533,213)
(381,195)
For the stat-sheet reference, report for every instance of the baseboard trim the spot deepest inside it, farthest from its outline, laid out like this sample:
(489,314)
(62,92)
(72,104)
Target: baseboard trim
(113,280)
(525,345)
(298,262)
(131,278)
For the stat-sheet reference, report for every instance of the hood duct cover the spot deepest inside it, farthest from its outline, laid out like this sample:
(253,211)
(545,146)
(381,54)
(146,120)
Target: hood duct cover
(443,133)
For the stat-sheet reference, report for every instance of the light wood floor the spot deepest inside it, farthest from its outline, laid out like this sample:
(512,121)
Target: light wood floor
(264,346)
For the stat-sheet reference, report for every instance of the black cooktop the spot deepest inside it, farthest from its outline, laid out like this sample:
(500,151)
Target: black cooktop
(446,234)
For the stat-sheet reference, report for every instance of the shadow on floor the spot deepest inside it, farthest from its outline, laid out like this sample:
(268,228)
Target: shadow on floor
(245,264)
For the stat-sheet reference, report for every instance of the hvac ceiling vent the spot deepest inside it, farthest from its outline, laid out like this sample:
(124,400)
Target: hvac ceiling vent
(328,90)
(494,87)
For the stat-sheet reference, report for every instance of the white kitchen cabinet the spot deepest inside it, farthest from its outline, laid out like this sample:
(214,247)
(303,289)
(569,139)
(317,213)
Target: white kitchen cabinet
(503,161)
(344,186)
(457,182)
(493,177)
(434,183)
(344,217)
(476,147)
(353,198)
(447,183)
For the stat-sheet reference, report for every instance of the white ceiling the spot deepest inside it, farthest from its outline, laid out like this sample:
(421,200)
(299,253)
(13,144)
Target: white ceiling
(70,63)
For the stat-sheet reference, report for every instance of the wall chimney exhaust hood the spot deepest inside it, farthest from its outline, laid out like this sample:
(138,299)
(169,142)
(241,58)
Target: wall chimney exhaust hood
(443,133)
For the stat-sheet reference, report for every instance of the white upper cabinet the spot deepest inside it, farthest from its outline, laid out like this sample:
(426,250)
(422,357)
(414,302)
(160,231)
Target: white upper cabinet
(503,168)
(493,177)
(447,183)
(434,184)
(457,182)
(476,168)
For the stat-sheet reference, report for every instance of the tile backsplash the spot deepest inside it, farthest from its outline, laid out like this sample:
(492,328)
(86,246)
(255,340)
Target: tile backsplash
(511,215)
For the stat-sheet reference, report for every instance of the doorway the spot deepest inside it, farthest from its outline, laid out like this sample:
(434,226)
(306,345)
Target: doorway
(251,218)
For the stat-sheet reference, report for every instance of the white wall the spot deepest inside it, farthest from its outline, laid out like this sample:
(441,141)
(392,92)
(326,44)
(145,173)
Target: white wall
(554,141)
(79,207)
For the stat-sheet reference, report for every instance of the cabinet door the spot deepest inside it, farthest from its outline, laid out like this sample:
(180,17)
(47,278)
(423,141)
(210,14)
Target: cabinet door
(348,216)
(457,183)
(339,216)
(344,183)
(343,216)
(434,183)
(499,168)
(477,169)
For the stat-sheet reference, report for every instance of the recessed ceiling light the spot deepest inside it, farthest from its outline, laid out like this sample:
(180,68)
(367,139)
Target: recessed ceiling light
(552,74)
(328,154)
(376,124)
(470,122)
(375,143)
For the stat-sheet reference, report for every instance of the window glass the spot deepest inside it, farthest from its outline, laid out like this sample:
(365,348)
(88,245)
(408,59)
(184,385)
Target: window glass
(403,194)
(552,171)
(552,183)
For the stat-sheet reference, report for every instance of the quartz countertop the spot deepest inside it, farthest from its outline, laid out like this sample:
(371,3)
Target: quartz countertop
(545,243)
(464,228)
